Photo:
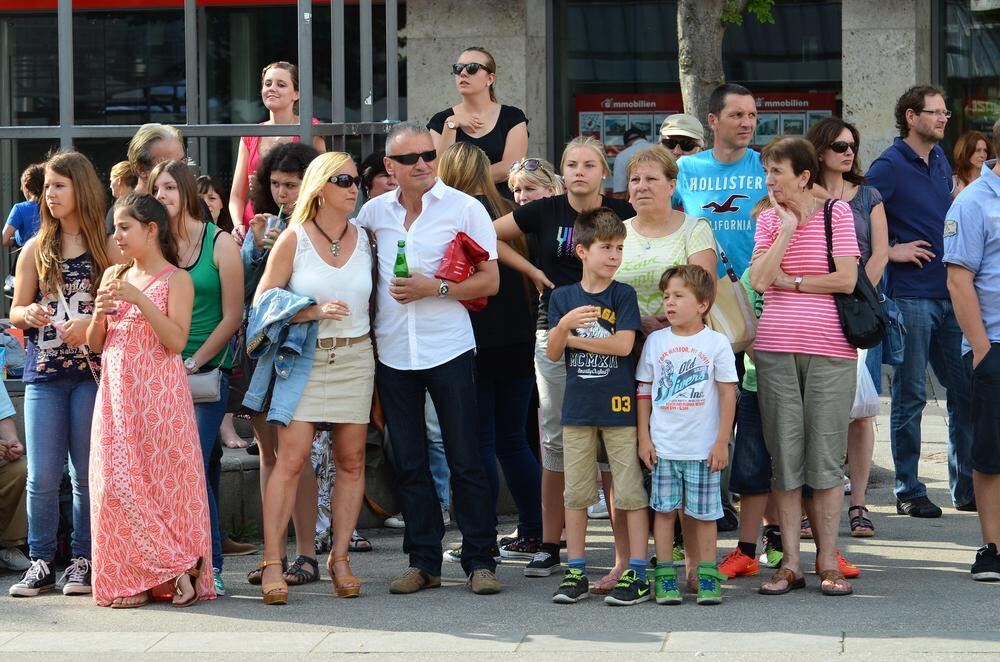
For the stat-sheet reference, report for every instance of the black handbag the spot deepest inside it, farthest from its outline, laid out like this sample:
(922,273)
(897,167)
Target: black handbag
(860,312)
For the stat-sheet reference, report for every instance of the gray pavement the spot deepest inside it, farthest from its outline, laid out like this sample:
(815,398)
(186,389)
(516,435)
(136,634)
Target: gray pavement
(915,598)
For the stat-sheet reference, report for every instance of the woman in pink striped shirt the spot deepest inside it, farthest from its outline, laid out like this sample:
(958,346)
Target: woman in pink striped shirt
(805,366)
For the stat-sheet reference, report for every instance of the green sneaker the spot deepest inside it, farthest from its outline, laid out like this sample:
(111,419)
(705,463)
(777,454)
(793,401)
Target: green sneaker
(678,556)
(220,586)
(665,586)
(772,554)
(709,583)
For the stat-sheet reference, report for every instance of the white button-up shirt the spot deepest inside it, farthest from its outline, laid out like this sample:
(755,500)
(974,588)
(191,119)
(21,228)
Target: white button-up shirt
(432,331)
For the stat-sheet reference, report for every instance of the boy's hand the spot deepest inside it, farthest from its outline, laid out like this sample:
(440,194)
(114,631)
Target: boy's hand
(579,318)
(718,457)
(647,453)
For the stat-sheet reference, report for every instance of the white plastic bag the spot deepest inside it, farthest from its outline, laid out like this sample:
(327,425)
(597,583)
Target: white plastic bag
(866,402)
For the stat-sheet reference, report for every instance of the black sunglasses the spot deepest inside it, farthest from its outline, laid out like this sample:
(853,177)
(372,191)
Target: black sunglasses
(345,181)
(686,144)
(472,67)
(411,159)
(526,164)
(841,146)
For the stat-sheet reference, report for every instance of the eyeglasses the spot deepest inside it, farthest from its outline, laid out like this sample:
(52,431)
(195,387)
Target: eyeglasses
(345,181)
(472,67)
(411,159)
(841,146)
(940,113)
(686,144)
(526,164)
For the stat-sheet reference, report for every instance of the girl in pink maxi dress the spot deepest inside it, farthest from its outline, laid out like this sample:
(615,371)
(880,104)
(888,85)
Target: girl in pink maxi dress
(149,509)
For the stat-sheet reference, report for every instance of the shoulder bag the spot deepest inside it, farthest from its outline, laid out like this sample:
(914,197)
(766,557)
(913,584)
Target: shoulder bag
(861,315)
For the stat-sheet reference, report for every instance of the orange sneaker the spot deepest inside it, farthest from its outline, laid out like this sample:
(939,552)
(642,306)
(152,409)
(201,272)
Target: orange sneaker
(847,569)
(738,564)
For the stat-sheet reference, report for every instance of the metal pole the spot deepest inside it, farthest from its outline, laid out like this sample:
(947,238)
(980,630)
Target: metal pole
(305,71)
(367,91)
(337,68)
(391,63)
(191,73)
(64,30)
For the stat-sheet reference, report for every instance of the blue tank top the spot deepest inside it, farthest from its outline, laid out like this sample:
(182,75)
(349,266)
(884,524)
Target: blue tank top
(48,357)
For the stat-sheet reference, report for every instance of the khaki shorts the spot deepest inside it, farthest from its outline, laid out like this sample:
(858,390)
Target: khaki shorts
(805,408)
(580,448)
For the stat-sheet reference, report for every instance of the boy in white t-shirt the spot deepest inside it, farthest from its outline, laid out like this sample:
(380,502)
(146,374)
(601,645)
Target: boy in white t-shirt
(685,407)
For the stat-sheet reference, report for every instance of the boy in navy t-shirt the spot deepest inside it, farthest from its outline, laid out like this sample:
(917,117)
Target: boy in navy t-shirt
(595,322)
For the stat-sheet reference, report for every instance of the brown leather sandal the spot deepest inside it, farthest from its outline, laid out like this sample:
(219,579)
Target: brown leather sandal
(344,586)
(275,593)
(783,575)
(838,579)
(192,573)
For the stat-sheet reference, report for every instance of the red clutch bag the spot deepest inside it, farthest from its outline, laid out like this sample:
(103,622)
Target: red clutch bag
(459,262)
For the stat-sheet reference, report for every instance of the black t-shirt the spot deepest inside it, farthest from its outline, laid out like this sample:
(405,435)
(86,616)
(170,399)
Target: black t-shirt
(600,388)
(493,143)
(550,221)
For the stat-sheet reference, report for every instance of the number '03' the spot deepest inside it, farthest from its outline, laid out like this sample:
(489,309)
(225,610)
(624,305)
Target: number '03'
(621,404)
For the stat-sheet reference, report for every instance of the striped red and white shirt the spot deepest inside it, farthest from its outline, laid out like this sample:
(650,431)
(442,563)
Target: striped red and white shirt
(797,322)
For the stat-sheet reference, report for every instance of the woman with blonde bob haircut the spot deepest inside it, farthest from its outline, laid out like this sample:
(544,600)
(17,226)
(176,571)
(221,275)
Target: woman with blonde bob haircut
(532,179)
(325,257)
(551,220)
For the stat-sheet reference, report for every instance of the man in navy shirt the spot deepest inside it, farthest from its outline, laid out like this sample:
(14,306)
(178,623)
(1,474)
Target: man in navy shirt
(914,178)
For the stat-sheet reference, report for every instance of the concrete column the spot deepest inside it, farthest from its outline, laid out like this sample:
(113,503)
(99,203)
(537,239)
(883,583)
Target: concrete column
(886,49)
(514,32)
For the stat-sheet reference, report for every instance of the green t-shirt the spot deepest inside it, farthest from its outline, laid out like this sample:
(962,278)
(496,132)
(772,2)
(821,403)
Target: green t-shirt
(757,301)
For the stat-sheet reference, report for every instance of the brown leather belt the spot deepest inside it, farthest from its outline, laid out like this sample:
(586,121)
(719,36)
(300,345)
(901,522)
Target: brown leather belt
(334,343)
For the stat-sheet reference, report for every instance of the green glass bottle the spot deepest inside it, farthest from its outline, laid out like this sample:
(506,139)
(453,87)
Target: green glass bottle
(400,269)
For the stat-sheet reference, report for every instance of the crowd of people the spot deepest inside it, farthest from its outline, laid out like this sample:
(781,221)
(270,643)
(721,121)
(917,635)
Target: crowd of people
(470,299)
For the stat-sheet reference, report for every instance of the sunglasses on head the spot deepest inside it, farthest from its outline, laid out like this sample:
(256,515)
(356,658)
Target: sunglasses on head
(411,159)
(345,181)
(841,146)
(526,164)
(686,144)
(472,67)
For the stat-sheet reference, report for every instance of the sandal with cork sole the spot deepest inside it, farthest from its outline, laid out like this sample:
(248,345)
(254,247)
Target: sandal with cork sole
(131,601)
(192,573)
(344,586)
(274,593)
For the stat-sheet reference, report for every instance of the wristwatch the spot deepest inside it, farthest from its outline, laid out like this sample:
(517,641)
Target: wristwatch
(798,282)
(451,125)
(443,289)
(189,364)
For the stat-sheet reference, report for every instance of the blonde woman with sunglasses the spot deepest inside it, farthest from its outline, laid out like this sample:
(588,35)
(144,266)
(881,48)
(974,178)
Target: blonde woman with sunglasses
(499,130)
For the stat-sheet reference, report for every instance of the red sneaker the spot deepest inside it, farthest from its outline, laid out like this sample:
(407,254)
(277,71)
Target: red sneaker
(847,569)
(738,564)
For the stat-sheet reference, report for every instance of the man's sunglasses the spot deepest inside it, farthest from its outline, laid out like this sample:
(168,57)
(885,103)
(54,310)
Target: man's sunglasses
(526,164)
(686,144)
(841,146)
(411,159)
(345,181)
(472,67)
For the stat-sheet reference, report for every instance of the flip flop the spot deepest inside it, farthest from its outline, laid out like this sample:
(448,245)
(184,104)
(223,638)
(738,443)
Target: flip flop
(234,443)
(605,584)
(791,583)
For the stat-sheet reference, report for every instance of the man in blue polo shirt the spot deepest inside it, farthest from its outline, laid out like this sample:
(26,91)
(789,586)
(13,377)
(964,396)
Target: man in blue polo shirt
(972,253)
(723,184)
(914,179)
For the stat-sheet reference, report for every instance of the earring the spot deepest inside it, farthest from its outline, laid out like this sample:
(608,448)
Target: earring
(319,201)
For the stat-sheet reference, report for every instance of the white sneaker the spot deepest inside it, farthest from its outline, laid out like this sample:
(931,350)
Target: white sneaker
(445,515)
(395,522)
(599,510)
(13,558)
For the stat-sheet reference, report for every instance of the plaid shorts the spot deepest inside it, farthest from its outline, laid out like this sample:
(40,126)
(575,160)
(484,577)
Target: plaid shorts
(687,482)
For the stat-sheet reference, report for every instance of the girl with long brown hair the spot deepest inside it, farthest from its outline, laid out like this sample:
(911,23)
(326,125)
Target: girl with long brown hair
(53,301)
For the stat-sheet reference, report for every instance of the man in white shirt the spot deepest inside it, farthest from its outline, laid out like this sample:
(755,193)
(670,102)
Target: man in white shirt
(426,345)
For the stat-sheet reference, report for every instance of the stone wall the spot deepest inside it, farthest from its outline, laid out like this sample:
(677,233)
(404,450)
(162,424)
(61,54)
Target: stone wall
(886,49)
(514,32)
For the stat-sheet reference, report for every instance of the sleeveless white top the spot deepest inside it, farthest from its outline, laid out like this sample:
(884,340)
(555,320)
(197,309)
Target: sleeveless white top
(351,283)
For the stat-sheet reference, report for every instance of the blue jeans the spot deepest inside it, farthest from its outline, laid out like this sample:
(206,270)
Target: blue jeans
(503,436)
(209,417)
(57,418)
(435,453)
(452,388)
(932,335)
